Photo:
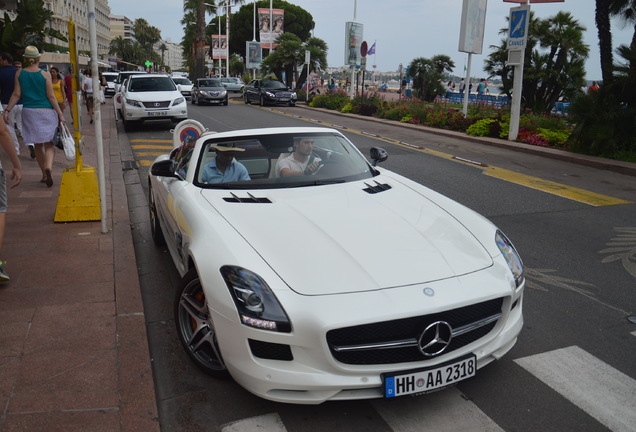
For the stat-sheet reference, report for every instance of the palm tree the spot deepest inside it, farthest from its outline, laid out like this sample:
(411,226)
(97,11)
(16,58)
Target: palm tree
(163,48)
(285,58)
(604,38)
(626,11)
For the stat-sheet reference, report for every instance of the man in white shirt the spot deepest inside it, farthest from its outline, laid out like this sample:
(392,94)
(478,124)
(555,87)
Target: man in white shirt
(301,161)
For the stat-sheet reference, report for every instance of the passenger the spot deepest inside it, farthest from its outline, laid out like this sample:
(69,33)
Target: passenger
(224,168)
(301,161)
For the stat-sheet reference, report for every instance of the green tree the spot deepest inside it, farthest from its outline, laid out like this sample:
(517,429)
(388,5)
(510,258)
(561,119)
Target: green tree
(427,75)
(317,59)
(297,21)
(147,36)
(554,61)
(284,59)
(30,27)
(603,25)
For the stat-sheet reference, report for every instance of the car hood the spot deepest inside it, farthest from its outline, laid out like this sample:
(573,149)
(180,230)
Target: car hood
(212,88)
(276,91)
(341,238)
(154,96)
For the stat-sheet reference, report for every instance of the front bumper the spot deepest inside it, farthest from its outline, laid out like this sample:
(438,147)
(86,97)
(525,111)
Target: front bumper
(134,113)
(314,376)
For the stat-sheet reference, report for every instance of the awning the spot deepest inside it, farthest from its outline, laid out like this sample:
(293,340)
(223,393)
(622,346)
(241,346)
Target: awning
(102,64)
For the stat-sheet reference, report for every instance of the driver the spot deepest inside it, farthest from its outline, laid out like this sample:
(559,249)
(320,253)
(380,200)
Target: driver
(301,161)
(224,168)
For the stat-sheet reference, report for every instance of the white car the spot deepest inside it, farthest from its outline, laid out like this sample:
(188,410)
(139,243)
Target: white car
(184,85)
(109,90)
(348,282)
(150,97)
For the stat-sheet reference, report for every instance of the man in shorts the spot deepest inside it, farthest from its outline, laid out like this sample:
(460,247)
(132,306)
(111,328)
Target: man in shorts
(16,177)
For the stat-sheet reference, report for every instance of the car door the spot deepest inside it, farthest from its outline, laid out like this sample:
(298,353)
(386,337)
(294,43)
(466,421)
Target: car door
(253,90)
(118,101)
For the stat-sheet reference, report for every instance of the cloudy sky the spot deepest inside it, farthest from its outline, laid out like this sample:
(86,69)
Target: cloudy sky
(402,29)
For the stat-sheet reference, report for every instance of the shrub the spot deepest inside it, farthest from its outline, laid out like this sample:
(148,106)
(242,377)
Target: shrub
(481,127)
(555,138)
(347,108)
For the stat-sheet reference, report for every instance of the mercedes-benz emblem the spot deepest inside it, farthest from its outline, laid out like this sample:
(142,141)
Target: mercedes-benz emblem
(435,338)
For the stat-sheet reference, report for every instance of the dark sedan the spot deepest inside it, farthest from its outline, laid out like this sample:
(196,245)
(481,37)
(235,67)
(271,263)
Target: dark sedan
(209,91)
(268,91)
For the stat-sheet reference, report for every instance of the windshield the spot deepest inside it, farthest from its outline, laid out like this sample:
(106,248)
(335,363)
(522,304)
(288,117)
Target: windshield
(280,161)
(210,83)
(109,77)
(150,84)
(272,84)
(183,81)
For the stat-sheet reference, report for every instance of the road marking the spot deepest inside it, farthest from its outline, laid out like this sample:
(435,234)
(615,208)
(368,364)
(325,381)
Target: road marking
(603,392)
(151,141)
(623,248)
(547,186)
(265,423)
(150,147)
(447,410)
(554,188)
(149,154)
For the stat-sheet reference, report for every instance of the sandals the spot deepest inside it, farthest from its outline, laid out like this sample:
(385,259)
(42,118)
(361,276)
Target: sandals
(49,177)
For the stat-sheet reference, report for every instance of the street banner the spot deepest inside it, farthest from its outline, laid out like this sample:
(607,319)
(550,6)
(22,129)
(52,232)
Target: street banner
(353,41)
(219,47)
(471,33)
(254,55)
(518,31)
(269,31)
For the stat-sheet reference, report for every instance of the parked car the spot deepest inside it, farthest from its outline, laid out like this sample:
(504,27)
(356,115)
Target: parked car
(209,91)
(121,77)
(109,90)
(184,85)
(347,281)
(268,91)
(233,84)
(151,97)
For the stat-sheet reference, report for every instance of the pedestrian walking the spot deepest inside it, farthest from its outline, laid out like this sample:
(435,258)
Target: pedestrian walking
(88,89)
(15,177)
(59,87)
(41,113)
(7,85)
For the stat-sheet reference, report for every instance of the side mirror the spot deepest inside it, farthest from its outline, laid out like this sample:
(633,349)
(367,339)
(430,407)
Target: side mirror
(164,168)
(378,154)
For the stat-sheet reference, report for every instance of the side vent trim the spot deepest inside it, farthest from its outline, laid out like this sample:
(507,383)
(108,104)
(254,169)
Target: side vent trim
(248,199)
(376,188)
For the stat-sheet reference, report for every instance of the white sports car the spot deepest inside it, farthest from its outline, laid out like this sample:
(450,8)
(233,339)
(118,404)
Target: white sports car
(344,281)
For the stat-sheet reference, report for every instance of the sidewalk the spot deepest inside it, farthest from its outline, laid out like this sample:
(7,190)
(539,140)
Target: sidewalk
(73,345)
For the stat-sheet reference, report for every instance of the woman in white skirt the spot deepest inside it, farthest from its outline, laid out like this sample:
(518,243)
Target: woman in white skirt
(41,113)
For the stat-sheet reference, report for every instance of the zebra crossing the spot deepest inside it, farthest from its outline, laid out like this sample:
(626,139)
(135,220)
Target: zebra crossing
(604,393)
(147,150)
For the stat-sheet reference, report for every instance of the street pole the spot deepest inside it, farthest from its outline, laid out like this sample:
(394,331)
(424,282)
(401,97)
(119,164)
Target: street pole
(99,142)
(353,67)
(227,36)
(467,85)
(517,89)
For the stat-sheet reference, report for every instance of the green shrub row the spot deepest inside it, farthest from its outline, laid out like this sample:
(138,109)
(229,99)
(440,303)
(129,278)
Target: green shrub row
(482,120)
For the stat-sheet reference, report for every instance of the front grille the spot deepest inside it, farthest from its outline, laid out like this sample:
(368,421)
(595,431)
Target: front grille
(410,329)
(270,351)
(162,104)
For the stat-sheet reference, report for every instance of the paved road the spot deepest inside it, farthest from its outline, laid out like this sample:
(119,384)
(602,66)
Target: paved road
(572,368)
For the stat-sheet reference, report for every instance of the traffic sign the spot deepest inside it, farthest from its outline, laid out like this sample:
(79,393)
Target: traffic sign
(364,48)
(518,32)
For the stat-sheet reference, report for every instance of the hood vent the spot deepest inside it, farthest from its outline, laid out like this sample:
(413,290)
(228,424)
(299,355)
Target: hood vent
(378,187)
(248,199)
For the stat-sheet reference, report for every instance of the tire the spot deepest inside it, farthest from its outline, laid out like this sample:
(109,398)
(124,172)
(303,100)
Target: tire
(226,102)
(291,104)
(128,124)
(246,99)
(155,226)
(195,327)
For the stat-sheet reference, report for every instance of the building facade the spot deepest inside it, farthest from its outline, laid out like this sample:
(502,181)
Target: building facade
(77,10)
(121,26)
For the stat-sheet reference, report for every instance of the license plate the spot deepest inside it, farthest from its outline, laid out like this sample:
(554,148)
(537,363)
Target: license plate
(157,113)
(284,99)
(427,380)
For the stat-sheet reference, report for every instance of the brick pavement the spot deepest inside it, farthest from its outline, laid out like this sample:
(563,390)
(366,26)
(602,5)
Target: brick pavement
(73,345)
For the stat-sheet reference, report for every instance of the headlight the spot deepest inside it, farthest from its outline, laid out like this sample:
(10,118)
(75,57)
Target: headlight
(223,93)
(511,256)
(293,95)
(178,101)
(256,303)
(134,103)
(270,94)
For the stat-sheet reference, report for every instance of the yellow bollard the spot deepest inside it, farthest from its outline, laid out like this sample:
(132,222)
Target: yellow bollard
(79,190)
